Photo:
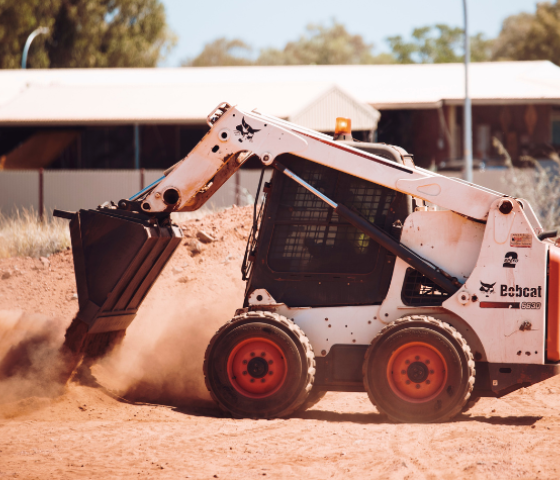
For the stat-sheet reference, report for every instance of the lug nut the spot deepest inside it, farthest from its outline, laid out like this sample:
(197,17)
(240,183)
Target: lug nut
(427,382)
(271,372)
(431,372)
(245,372)
(244,362)
(263,380)
(252,380)
(417,357)
(427,362)
(263,354)
(252,354)
(408,382)
(407,361)
(270,362)
(417,385)
(403,372)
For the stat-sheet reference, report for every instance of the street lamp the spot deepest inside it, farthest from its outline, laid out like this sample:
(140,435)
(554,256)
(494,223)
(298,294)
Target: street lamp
(34,33)
(467,120)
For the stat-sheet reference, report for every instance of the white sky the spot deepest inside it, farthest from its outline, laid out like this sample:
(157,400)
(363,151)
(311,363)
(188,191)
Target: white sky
(263,23)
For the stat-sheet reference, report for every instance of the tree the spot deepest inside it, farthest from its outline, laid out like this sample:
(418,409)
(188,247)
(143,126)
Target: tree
(321,45)
(531,37)
(438,44)
(222,52)
(84,33)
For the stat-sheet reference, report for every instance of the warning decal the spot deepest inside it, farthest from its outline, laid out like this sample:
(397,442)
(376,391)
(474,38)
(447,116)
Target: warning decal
(521,240)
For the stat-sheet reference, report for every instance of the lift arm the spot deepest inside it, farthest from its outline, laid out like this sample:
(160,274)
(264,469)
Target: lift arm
(234,132)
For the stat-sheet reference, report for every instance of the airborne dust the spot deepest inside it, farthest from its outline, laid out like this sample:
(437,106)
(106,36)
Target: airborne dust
(161,357)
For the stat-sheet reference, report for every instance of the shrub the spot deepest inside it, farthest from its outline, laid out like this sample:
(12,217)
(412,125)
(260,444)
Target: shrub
(540,186)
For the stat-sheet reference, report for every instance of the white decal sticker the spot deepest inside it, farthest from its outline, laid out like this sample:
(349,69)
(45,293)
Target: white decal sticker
(521,240)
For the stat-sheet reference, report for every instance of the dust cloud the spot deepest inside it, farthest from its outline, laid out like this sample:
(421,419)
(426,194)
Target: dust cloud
(161,358)
(30,361)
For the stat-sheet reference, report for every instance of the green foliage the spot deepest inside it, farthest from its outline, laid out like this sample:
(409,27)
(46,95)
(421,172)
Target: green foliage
(438,44)
(222,52)
(531,37)
(84,33)
(321,45)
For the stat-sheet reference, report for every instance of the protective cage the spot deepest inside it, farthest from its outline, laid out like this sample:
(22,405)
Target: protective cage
(117,258)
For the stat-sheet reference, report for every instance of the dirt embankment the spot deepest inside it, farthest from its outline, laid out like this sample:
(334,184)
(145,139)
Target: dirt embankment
(143,412)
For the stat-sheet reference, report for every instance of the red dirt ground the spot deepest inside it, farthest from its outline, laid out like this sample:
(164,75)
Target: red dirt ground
(114,420)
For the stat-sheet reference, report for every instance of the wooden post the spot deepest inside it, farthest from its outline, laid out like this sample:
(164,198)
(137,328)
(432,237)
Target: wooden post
(452,124)
(41,194)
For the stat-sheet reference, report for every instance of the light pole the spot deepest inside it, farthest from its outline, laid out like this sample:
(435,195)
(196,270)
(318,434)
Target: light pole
(467,119)
(33,34)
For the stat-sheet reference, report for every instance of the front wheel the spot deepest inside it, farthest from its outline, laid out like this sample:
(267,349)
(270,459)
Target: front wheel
(259,365)
(419,369)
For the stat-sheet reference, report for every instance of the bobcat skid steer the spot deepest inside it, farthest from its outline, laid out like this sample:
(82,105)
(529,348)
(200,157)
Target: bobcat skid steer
(353,283)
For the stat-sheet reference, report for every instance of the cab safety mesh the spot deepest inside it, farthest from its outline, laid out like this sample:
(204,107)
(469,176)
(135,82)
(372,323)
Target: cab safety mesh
(421,291)
(310,237)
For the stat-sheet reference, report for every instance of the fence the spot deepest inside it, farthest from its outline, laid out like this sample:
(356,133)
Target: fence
(74,189)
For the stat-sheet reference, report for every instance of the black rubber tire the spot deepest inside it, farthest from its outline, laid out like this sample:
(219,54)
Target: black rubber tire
(297,353)
(314,397)
(448,342)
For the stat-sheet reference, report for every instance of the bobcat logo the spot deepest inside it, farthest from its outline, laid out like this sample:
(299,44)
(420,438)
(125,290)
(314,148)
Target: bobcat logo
(487,288)
(245,131)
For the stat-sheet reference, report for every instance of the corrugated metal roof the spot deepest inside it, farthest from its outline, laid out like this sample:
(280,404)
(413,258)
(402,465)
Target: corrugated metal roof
(188,94)
(115,96)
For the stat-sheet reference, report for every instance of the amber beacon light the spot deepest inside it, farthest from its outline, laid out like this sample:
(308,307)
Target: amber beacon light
(343,129)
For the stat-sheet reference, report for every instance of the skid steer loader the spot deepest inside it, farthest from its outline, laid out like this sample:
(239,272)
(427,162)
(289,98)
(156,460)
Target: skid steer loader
(353,282)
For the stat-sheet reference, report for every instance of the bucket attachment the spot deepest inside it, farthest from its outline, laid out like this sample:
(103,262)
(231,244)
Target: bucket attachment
(118,255)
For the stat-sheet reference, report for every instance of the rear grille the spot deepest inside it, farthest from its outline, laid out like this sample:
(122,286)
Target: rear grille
(419,291)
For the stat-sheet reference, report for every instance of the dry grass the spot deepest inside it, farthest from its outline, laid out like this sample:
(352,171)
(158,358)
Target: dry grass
(23,235)
(540,186)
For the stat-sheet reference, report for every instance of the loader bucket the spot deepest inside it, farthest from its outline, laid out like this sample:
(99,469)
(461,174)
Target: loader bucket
(118,255)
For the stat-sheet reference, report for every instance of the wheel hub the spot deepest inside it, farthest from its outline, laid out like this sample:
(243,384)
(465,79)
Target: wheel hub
(417,372)
(257,367)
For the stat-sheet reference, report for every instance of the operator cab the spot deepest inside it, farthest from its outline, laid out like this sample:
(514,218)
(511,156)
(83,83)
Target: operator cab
(303,243)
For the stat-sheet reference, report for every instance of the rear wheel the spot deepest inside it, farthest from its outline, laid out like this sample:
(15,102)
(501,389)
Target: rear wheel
(259,365)
(419,369)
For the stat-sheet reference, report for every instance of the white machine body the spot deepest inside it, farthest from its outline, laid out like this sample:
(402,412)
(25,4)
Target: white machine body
(499,259)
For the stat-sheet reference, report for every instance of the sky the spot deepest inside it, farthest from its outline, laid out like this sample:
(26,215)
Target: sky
(262,23)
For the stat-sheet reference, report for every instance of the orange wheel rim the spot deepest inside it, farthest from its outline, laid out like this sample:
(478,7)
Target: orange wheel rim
(417,372)
(257,367)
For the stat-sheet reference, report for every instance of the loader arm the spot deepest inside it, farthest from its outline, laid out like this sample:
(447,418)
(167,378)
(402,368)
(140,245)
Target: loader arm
(234,132)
